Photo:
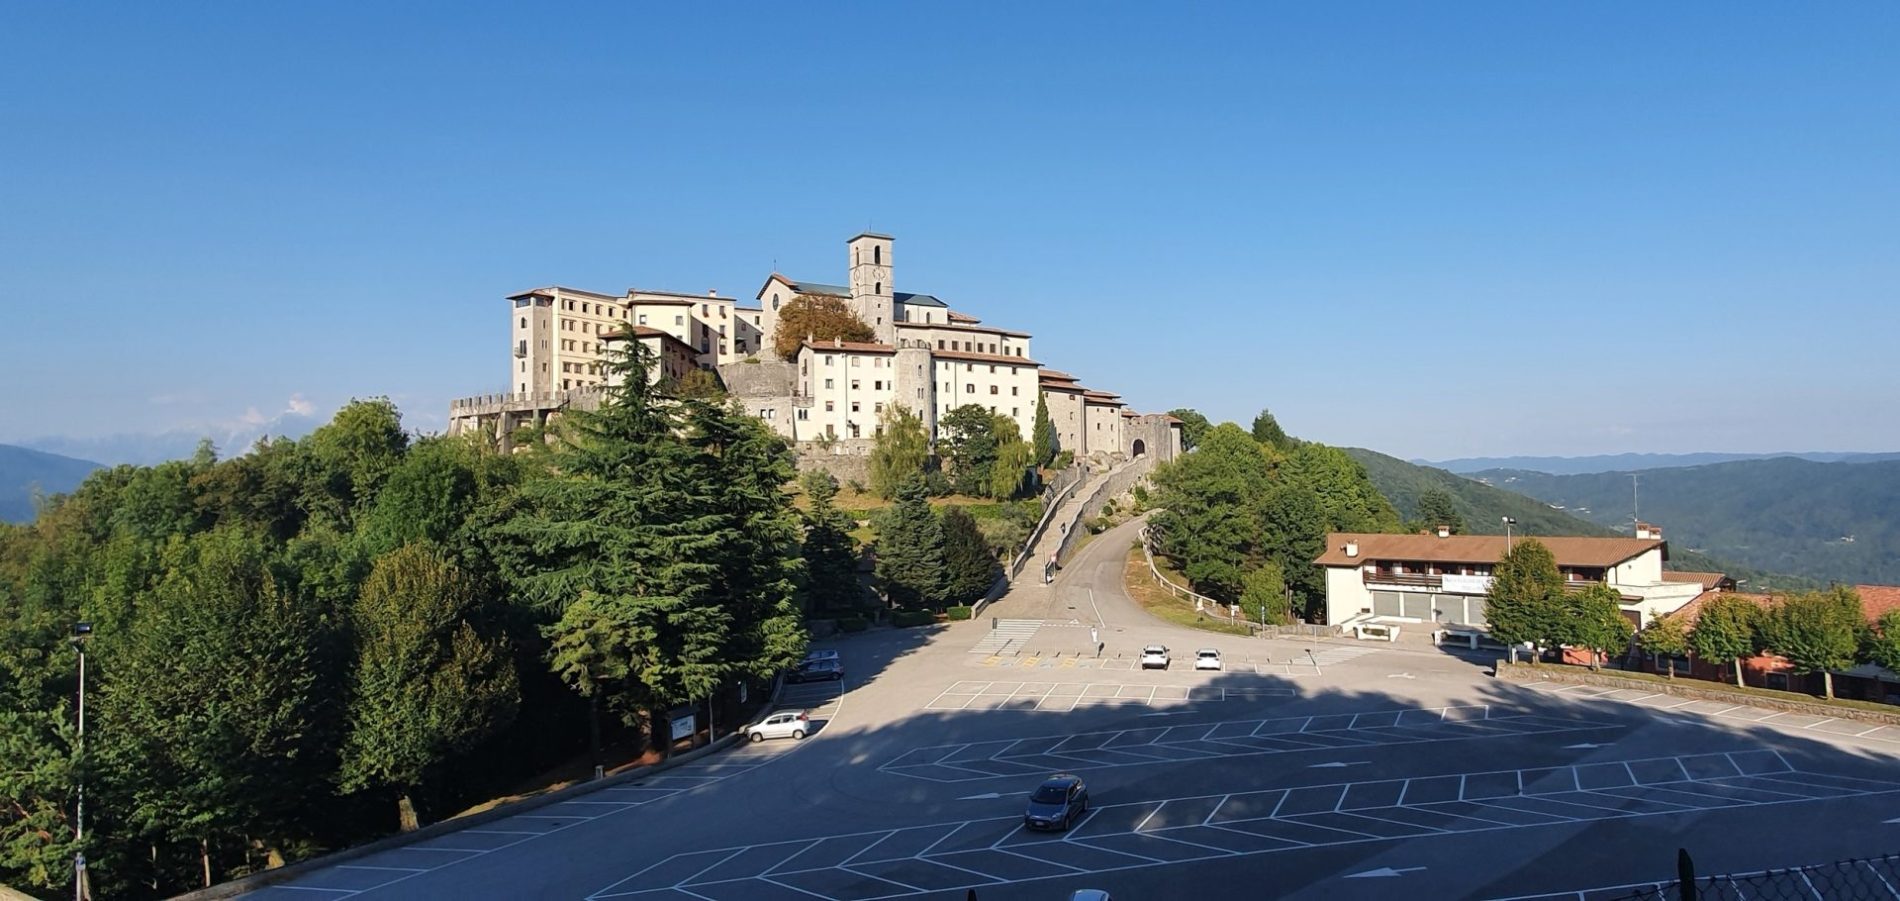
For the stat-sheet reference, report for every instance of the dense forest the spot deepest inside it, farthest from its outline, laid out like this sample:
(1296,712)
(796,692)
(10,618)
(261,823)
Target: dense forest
(319,640)
(1823,521)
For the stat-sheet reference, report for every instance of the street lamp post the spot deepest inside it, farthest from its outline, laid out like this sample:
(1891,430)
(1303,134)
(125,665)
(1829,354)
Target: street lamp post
(81,631)
(1508,523)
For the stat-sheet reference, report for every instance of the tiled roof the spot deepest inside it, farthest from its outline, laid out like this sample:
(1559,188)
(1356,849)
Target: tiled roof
(983,358)
(917,300)
(962,317)
(1057,374)
(713,296)
(818,288)
(661,301)
(1569,551)
(1688,613)
(1102,397)
(1706,580)
(858,347)
(868,235)
(1878,599)
(647,331)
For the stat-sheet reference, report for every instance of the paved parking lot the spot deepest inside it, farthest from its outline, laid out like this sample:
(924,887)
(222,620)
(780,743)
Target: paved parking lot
(1722,710)
(860,866)
(1061,696)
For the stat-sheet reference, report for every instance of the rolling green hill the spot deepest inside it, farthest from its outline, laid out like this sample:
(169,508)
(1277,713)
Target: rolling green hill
(1482,506)
(1825,521)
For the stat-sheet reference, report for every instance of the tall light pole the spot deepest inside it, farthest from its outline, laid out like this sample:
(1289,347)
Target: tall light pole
(1508,523)
(81,631)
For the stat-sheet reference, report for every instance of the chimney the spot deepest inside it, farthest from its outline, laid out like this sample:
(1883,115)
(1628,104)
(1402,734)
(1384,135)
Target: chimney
(1444,531)
(1352,548)
(712,292)
(1645,530)
(837,341)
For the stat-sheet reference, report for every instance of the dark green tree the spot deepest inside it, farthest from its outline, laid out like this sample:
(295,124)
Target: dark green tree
(1193,427)
(900,450)
(1436,507)
(966,440)
(626,546)
(1525,601)
(426,686)
(1210,520)
(1725,629)
(1293,534)
(1883,644)
(969,567)
(831,558)
(1818,631)
(1347,499)
(220,714)
(1043,441)
(1267,431)
(910,562)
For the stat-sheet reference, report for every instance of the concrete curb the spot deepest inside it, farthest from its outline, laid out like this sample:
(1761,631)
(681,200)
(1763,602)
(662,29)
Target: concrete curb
(1523,674)
(269,877)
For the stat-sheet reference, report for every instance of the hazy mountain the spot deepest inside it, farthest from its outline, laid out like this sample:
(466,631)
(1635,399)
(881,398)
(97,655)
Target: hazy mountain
(1483,506)
(1632,462)
(177,444)
(1825,521)
(25,472)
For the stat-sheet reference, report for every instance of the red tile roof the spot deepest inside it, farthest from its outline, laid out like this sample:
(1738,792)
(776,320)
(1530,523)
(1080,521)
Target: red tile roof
(1688,613)
(1569,551)
(1878,599)
(988,330)
(963,317)
(1706,580)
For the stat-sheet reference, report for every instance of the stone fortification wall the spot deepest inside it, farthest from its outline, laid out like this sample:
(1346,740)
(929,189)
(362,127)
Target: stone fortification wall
(847,459)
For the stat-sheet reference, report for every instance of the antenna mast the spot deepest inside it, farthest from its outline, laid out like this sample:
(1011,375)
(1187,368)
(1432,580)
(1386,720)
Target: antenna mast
(1636,509)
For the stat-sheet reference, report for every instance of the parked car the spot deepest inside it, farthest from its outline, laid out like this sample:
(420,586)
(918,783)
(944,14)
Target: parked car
(1207,658)
(1056,803)
(816,671)
(1089,894)
(781,724)
(821,654)
(1154,656)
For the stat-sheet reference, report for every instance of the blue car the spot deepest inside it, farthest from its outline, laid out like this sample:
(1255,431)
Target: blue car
(1056,803)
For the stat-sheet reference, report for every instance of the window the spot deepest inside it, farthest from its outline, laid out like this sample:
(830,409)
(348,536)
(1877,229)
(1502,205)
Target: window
(722,347)
(704,311)
(679,320)
(722,313)
(854,406)
(827,359)
(1014,391)
(1016,411)
(877,407)
(877,254)
(768,413)
(775,300)
(802,414)
(940,344)
(854,384)
(831,406)
(969,389)
(854,361)
(993,389)
(524,322)
(879,289)
(992,367)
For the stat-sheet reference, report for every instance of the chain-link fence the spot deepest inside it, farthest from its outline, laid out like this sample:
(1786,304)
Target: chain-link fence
(1844,880)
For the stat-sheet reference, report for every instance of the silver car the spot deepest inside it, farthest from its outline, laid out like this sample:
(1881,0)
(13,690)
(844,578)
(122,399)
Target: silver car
(792,724)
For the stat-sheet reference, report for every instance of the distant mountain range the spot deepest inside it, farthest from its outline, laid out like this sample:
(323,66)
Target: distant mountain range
(154,448)
(26,474)
(1825,521)
(1634,462)
(1483,506)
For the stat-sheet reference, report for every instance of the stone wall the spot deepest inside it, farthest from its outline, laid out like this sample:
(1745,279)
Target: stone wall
(847,459)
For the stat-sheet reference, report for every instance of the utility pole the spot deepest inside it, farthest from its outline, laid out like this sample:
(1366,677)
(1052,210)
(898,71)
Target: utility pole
(1636,508)
(81,631)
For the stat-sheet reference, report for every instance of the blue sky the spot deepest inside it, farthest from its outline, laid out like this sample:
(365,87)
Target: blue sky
(1431,229)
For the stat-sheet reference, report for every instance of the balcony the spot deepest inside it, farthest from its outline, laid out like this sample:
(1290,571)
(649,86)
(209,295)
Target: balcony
(521,348)
(1407,580)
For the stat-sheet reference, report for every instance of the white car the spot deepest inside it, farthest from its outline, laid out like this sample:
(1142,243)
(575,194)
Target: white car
(782,724)
(1207,658)
(1154,656)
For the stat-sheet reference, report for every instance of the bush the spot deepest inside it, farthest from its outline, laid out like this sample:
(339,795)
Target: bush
(907,618)
(936,484)
(856,486)
(956,614)
(853,624)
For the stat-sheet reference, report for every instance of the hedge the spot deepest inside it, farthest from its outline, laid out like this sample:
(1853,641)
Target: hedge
(957,613)
(853,624)
(913,618)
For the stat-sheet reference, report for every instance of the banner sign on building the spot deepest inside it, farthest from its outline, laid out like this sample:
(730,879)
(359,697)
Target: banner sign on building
(1465,584)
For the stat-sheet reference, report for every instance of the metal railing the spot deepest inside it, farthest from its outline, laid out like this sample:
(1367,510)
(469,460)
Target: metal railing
(1181,591)
(1054,495)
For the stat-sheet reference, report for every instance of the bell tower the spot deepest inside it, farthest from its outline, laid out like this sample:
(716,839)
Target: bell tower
(871,294)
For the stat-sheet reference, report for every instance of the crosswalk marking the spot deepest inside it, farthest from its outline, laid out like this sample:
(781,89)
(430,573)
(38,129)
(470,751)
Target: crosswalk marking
(1006,633)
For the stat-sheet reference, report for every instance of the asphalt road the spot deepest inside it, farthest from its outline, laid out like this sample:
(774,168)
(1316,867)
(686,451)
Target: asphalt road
(1324,769)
